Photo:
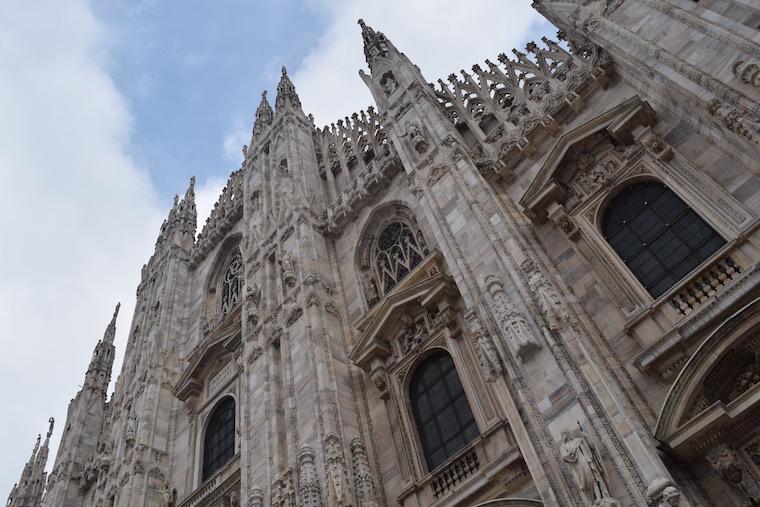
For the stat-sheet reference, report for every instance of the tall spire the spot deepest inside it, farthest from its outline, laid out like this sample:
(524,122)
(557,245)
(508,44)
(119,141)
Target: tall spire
(187,216)
(376,45)
(286,93)
(111,329)
(98,374)
(264,115)
(28,491)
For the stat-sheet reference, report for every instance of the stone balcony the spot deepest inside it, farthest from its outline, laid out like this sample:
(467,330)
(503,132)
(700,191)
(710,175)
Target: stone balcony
(215,486)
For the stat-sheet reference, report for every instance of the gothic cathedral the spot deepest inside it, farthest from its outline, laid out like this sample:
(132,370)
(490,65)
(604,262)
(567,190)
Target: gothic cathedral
(533,283)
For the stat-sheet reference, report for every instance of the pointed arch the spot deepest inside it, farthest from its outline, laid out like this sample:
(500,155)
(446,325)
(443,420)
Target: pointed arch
(392,244)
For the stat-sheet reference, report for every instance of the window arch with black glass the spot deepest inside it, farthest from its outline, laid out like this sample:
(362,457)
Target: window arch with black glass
(219,438)
(442,414)
(657,235)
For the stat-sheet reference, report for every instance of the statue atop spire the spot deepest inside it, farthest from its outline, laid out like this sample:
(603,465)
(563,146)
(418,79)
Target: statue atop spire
(376,45)
(286,92)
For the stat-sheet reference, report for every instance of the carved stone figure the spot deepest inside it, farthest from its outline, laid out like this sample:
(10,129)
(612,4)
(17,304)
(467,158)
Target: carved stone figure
(549,302)
(512,321)
(388,82)
(586,464)
(130,430)
(256,497)
(363,481)
(309,490)
(662,493)
(288,270)
(748,72)
(728,465)
(338,491)
(416,137)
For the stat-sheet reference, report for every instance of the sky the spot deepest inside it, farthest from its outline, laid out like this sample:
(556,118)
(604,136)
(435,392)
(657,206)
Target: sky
(108,107)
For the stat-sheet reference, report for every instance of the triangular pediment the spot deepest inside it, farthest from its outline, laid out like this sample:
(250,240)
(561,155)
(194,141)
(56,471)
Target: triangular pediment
(425,287)
(221,341)
(550,183)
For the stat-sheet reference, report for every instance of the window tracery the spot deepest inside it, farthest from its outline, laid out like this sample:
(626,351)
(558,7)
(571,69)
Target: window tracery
(231,284)
(398,249)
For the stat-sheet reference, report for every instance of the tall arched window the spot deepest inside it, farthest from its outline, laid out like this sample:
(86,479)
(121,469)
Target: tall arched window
(231,284)
(657,235)
(441,412)
(399,248)
(219,440)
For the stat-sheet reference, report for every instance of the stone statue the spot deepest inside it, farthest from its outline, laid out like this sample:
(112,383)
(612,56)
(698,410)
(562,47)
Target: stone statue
(662,493)
(288,270)
(586,464)
(130,431)
(253,293)
(414,133)
(389,83)
(724,461)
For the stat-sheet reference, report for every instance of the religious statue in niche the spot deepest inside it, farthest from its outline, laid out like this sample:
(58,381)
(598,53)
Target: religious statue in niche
(388,82)
(414,133)
(586,464)
(288,270)
(725,462)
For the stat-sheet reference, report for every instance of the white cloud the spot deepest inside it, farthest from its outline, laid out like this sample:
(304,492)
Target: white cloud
(78,217)
(206,196)
(233,141)
(440,36)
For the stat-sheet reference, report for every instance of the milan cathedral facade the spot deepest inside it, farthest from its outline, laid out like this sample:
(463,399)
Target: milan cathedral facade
(532,283)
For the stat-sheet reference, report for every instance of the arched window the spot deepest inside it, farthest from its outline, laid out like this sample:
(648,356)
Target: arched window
(219,440)
(231,284)
(657,235)
(399,248)
(444,420)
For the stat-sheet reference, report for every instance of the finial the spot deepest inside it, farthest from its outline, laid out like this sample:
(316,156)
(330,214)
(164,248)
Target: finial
(284,71)
(192,184)
(52,423)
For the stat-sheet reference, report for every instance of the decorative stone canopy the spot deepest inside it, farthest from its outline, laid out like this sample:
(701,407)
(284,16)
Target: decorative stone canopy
(427,286)
(549,187)
(223,340)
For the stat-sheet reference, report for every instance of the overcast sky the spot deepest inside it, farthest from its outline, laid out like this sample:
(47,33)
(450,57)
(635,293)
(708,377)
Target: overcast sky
(106,110)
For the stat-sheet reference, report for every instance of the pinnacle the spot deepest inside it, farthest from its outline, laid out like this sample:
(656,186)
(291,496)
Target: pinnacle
(286,92)
(110,332)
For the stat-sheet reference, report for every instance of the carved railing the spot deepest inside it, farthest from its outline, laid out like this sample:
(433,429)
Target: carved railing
(705,285)
(455,473)
(212,483)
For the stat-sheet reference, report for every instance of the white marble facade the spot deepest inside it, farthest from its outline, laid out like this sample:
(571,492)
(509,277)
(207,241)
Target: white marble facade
(461,225)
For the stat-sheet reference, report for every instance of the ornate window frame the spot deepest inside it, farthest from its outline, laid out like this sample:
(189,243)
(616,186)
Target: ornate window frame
(214,312)
(370,284)
(421,316)
(212,373)
(572,190)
